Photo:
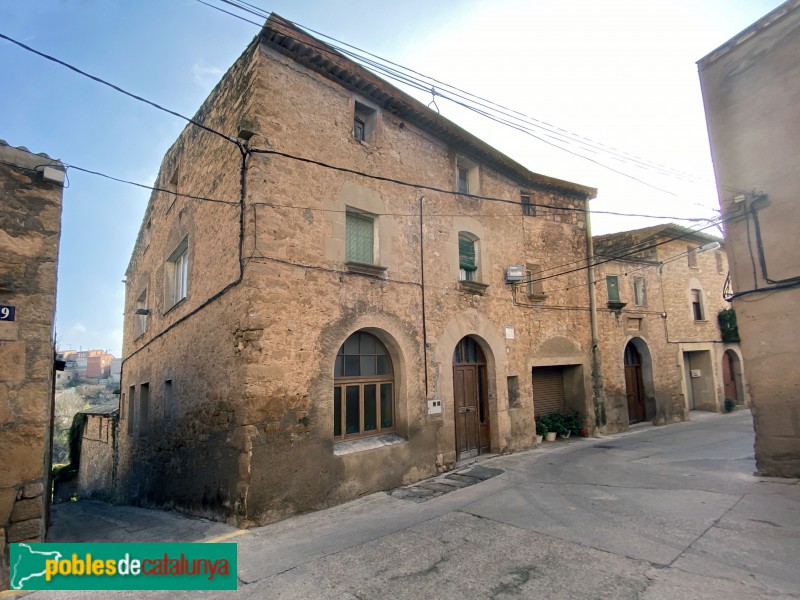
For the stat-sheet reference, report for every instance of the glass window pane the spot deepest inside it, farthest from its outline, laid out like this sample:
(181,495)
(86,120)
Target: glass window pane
(383,365)
(612,285)
(337,411)
(352,366)
(370,407)
(368,365)
(387,406)
(351,344)
(352,410)
(359,238)
(338,369)
(368,345)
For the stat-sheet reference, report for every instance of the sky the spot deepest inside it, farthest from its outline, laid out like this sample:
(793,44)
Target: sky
(619,72)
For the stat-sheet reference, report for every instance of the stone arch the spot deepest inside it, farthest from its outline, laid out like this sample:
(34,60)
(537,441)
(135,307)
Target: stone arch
(487,335)
(647,380)
(736,375)
(404,354)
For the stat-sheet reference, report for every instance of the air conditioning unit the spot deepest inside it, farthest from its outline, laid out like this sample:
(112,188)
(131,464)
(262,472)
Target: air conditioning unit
(515,273)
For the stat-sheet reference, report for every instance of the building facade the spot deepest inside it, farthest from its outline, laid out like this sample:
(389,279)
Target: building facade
(750,87)
(30,225)
(318,304)
(664,353)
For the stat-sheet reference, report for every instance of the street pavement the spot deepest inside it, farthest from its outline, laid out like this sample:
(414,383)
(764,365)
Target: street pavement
(657,512)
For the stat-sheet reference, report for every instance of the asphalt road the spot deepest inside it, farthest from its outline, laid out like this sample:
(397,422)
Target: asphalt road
(666,512)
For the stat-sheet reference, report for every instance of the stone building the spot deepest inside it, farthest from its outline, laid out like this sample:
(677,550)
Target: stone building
(317,304)
(750,88)
(98,451)
(30,226)
(662,347)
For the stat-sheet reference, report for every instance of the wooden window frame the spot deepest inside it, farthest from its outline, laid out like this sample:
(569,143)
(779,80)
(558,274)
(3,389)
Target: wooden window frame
(342,383)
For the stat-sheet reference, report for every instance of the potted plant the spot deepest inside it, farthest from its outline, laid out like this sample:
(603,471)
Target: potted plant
(541,431)
(548,426)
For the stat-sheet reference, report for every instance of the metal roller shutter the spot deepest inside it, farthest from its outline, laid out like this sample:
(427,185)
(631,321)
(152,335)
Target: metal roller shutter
(548,390)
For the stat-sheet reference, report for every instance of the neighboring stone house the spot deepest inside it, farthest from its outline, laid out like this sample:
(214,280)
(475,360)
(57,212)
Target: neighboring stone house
(750,89)
(296,334)
(662,348)
(98,451)
(30,225)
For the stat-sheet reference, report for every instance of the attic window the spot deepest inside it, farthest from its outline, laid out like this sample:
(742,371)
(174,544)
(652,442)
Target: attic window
(364,119)
(467,176)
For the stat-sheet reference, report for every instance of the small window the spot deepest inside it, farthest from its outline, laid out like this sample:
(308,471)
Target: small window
(141,314)
(364,119)
(144,401)
(146,234)
(533,278)
(467,176)
(360,238)
(612,287)
(467,257)
(691,256)
(169,401)
(363,391)
(172,190)
(177,275)
(528,209)
(697,305)
(513,391)
(639,292)
(720,265)
(131,410)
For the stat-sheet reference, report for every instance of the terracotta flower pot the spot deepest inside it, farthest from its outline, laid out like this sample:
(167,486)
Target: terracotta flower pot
(551,436)
(539,439)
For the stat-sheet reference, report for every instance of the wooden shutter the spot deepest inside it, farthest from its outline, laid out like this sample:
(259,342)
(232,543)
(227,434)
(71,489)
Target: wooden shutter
(359,240)
(612,285)
(466,254)
(548,390)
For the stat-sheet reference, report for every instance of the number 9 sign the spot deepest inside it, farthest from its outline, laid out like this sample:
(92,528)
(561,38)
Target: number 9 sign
(6,313)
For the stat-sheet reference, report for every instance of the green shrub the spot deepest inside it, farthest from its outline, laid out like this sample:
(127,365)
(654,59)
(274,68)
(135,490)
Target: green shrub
(729,404)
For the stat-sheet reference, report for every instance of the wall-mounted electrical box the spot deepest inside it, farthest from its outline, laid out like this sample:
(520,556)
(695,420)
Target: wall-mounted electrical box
(434,407)
(695,373)
(515,273)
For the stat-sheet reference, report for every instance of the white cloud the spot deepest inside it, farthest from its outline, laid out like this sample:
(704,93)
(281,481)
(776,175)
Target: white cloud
(206,76)
(78,328)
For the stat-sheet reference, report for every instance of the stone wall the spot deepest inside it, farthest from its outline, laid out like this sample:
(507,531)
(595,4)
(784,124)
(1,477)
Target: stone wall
(30,225)
(750,86)
(95,476)
(663,328)
(250,435)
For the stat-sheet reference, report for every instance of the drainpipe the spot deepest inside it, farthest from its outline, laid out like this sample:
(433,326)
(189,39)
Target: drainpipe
(597,382)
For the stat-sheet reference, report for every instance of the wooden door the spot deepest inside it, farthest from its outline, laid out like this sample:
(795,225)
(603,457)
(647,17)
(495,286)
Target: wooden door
(729,378)
(467,410)
(634,385)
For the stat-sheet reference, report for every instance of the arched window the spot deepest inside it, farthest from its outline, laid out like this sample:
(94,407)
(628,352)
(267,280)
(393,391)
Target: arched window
(363,388)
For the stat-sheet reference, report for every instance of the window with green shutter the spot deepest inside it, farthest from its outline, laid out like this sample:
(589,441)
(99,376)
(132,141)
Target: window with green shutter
(359,238)
(467,261)
(612,285)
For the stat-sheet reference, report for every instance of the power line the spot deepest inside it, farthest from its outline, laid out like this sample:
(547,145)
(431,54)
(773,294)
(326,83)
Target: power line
(149,187)
(472,196)
(118,89)
(413,80)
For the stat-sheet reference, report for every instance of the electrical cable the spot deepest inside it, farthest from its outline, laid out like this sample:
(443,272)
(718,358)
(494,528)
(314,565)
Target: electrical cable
(118,89)
(426,86)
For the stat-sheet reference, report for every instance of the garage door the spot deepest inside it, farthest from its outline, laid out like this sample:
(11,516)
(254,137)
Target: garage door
(548,390)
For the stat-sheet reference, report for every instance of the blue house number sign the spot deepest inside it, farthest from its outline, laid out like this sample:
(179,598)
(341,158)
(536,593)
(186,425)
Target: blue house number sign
(7,313)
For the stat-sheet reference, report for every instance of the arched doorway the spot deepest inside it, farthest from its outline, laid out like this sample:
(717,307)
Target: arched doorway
(470,399)
(634,384)
(730,376)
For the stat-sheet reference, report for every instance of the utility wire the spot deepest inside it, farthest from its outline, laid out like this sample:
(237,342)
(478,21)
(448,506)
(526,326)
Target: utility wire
(118,89)
(477,104)
(471,196)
